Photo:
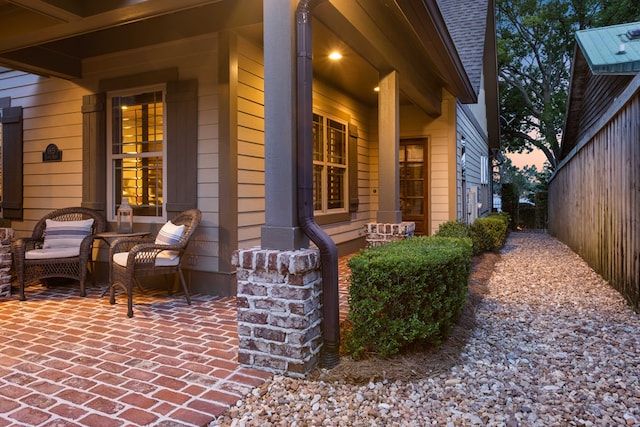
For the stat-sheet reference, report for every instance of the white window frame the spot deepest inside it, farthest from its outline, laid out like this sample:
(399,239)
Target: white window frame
(111,202)
(325,163)
(484,169)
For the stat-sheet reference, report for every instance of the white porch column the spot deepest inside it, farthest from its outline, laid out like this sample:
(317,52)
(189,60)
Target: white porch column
(281,229)
(389,143)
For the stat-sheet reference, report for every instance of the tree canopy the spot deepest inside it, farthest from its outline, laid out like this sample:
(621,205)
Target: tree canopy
(536,41)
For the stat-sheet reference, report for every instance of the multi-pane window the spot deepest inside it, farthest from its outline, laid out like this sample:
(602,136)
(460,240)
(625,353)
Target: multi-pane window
(137,151)
(329,165)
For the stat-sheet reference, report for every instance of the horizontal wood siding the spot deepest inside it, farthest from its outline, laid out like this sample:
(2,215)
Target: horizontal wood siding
(600,91)
(52,111)
(441,133)
(52,115)
(251,189)
(477,147)
(594,198)
(195,58)
(329,101)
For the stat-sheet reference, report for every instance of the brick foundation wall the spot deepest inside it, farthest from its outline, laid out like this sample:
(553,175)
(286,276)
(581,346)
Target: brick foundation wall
(377,234)
(279,310)
(6,236)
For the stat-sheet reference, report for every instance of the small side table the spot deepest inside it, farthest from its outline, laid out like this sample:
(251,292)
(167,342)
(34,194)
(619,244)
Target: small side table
(110,236)
(107,235)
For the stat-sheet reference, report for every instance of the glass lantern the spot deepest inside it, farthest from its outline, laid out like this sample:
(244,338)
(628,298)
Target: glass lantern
(124,217)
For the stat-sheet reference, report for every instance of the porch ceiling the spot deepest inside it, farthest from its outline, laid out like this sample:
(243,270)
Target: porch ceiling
(52,37)
(408,36)
(352,74)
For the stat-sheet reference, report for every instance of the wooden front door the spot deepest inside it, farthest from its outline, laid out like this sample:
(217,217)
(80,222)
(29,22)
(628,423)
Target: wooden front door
(413,183)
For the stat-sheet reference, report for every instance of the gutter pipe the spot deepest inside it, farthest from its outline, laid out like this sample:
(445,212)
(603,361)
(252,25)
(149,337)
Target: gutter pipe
(330,356)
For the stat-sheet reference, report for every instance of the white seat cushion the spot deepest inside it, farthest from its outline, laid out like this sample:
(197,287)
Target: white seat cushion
(53,253)
(161,261)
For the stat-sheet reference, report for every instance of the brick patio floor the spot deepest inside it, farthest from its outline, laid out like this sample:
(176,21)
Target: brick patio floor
(72,361)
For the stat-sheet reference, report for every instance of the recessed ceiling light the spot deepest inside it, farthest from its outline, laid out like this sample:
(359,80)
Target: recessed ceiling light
(376,89)
(335,55)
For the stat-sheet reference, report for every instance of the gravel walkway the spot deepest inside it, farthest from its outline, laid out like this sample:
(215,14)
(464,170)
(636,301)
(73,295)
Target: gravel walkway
(554,346)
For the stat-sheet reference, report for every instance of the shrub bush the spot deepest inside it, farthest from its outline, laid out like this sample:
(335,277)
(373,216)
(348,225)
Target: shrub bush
(526,216)
(453,229)
(504,216)
(406,294)
(510,198)
(480,237)
(486,233)
(496,228)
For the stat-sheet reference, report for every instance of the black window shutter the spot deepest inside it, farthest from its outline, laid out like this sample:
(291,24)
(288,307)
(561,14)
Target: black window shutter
(353,168)
(12,163)
(182,142)
(94,151)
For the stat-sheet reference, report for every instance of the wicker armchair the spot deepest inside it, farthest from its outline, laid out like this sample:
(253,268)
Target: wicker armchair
(133,258)
(38,258)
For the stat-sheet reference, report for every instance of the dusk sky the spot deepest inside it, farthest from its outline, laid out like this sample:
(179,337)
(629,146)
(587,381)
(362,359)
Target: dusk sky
(536,158)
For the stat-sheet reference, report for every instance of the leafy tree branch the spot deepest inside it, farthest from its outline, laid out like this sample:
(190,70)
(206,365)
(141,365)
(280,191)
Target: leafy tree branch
(536,41)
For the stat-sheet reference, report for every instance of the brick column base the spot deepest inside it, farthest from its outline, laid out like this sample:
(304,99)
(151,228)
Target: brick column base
(377,234)
(279,310)
(6,236)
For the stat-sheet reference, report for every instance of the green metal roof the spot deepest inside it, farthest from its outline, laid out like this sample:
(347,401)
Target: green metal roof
(611,50)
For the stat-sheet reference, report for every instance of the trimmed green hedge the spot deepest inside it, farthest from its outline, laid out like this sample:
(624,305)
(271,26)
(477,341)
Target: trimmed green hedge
(504,216)
(486,233)
(481,238)
(406,294)
(496,229)
(453,229)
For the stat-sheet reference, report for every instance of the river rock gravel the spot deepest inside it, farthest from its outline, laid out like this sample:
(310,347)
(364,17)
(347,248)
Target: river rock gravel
(554,345)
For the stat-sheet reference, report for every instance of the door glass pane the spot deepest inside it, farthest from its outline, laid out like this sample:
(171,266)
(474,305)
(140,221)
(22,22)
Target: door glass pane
(412,207)
(414,171)
(412,183)
(414,188)
(415,153)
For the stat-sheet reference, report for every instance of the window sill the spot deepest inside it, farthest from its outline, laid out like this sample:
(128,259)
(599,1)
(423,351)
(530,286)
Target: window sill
(326,219)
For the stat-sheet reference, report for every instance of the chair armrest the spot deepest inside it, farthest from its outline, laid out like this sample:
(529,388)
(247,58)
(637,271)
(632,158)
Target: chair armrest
(125,244)
(20,246)
(85,248)
(146,253)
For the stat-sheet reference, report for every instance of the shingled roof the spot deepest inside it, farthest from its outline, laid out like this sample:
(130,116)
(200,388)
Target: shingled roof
(467,24)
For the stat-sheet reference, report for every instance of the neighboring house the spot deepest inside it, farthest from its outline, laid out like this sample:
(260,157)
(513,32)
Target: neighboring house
(472,27)
(191,103)
(594,200)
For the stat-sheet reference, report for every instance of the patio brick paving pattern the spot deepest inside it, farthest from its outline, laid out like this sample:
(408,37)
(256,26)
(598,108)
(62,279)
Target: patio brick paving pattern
(72,361)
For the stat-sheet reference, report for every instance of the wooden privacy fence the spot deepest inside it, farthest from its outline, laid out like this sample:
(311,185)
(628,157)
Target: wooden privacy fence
(594,196)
